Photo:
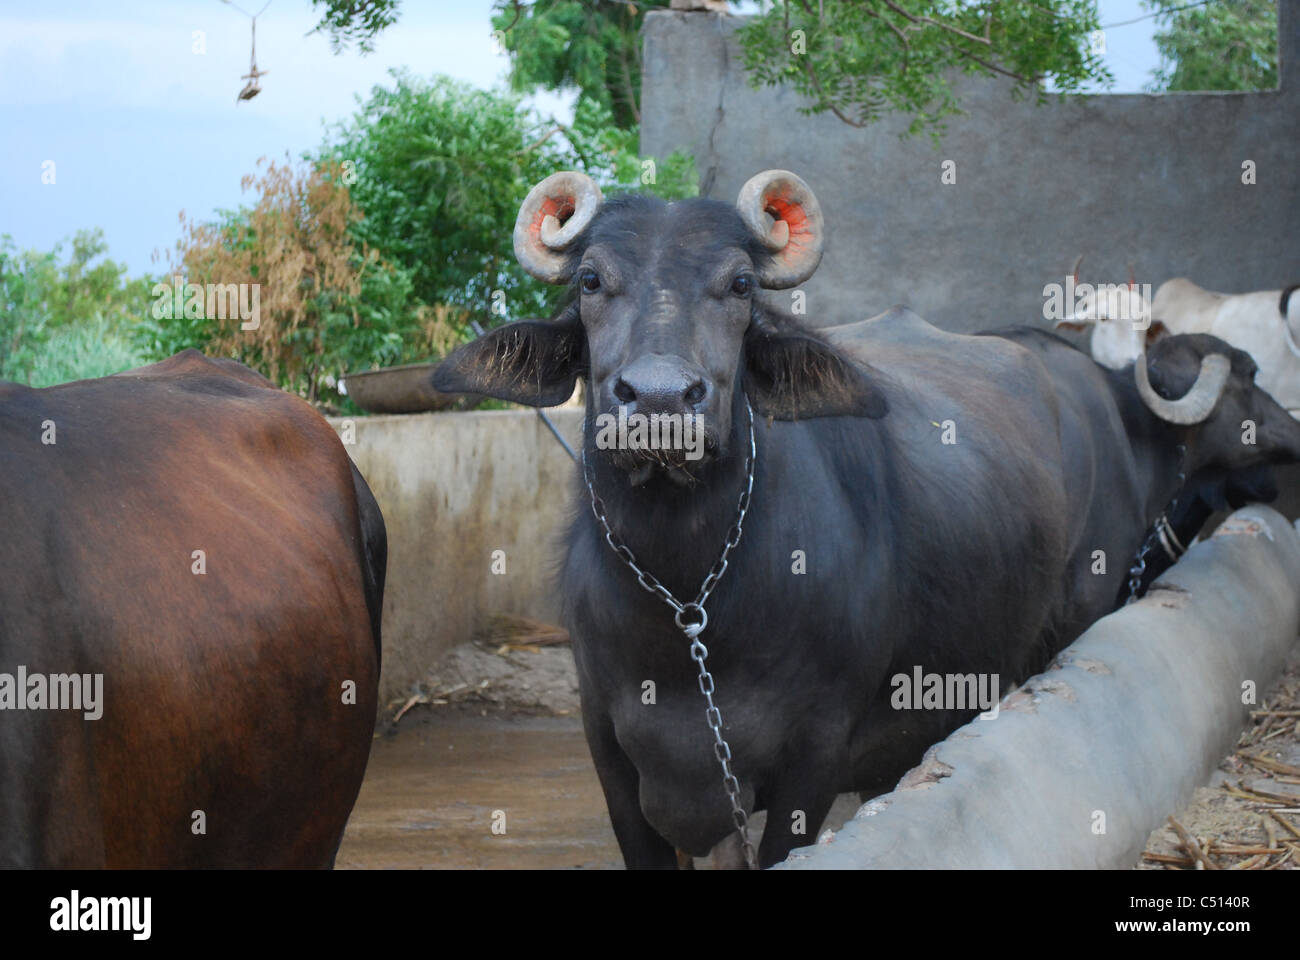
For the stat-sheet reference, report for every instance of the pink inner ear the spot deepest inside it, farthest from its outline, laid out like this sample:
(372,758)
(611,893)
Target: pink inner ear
(561,208)
(793,215)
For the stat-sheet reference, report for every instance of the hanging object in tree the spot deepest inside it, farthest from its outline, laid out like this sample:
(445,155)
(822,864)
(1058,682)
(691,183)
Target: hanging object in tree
(252,88)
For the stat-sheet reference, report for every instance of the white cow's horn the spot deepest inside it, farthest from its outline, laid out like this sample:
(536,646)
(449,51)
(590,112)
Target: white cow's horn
(550,219)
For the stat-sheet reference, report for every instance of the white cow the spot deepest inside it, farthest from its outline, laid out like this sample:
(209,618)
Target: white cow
(1120,318)
(1265,324)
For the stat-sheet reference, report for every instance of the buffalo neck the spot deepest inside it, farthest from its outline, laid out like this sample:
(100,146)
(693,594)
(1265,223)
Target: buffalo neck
(1167,460)
(676,532)
(1158,448)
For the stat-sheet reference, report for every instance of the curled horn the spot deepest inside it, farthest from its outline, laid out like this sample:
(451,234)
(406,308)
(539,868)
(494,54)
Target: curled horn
(780,209)
(551,217)
(1198,403)
(1132,276)
(1074,270)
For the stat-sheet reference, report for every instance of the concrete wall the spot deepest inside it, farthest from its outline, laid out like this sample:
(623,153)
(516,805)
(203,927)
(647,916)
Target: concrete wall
(453,488)
(1153,179)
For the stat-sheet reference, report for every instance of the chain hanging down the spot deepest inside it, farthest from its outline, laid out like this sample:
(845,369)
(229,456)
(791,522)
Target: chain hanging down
(691,620)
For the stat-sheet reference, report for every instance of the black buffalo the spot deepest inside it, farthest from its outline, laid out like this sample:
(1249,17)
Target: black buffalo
(1177,474)
(915,502)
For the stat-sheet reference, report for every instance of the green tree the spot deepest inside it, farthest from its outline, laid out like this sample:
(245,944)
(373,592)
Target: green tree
(26,278)
(1218,46)
(348,22)
(593,45)
(66,320)
(596,47)
(864,59)
(440,168)
(327,304)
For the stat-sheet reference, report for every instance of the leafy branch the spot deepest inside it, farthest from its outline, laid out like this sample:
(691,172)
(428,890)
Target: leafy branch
(861,60)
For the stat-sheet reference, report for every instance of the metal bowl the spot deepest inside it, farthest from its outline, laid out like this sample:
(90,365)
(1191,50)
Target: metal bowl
(404,389)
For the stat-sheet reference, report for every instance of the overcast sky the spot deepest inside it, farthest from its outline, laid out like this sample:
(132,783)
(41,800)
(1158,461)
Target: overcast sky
(140,127)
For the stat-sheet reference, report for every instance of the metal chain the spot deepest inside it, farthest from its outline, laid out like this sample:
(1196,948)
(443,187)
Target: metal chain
(692,630)
(1139,567)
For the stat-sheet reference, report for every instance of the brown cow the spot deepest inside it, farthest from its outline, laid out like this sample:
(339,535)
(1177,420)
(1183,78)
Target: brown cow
(202,541)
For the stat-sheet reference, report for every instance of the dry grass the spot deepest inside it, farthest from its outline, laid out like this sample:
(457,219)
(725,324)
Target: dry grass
(1251,819)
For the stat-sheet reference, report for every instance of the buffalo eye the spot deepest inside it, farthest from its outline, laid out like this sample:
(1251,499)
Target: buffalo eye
(589,281)
(742,285)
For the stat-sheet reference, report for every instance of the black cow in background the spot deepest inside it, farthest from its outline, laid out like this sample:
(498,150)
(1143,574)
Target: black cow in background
(914,502)
(1179,469)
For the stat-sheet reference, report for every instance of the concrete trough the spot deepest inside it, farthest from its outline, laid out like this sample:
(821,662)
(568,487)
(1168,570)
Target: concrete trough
(1085,759)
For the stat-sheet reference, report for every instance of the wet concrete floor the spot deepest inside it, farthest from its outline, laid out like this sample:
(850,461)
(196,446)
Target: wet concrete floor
(432,791)
(433,788)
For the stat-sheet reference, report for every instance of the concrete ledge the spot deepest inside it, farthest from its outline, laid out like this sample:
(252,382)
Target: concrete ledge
(1130,720)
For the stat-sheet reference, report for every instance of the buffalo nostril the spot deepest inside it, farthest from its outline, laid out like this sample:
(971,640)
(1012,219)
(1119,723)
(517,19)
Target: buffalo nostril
(697,392)
(623,391)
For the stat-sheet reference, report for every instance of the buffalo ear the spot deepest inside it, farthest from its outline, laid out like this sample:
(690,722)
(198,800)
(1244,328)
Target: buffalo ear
(533,362)
(793,376)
